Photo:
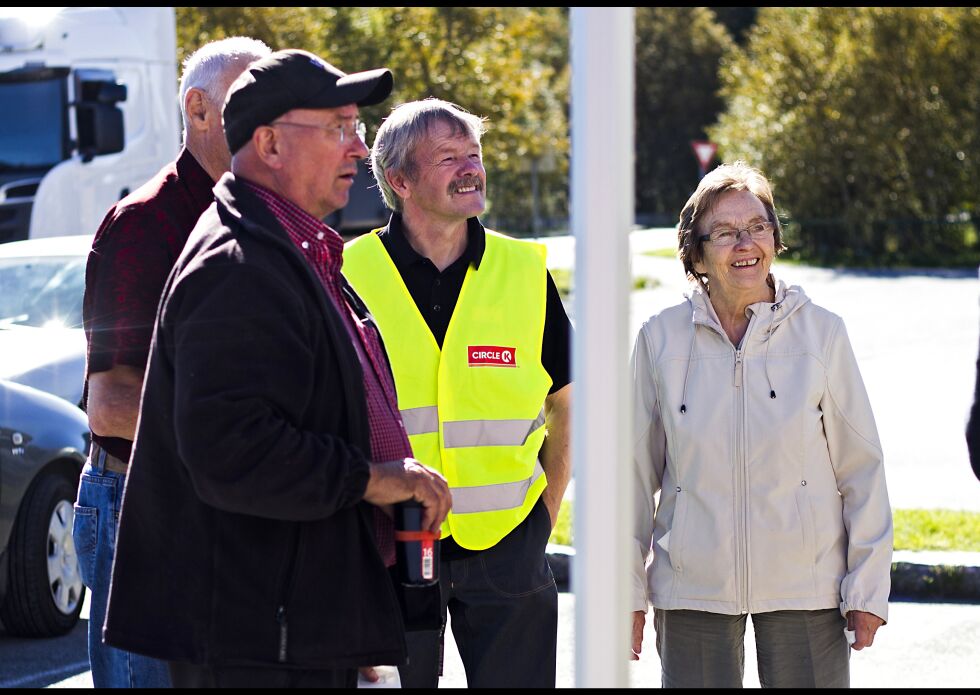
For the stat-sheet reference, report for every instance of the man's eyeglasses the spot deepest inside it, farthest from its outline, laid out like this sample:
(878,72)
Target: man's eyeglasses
(342,133)
(729,236)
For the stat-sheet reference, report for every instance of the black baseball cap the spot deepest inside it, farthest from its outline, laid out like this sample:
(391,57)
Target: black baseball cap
(295,79)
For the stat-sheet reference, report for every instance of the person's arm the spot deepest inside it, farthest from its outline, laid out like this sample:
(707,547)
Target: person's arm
(973,426)
(858,463)
(649,463)
(114,401)
(122,294)
(555,451)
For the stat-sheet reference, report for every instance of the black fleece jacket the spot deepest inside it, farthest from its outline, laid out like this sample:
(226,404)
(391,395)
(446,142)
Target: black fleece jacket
(243,537)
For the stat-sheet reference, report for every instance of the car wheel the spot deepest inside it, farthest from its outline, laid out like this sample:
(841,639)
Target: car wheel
(44,588)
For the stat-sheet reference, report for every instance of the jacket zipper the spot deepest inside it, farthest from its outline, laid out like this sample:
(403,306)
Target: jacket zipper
(741,553)
(283,633)
(287,587)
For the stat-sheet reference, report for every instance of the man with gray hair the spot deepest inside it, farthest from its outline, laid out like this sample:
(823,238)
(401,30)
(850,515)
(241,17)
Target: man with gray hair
(132,253)
(479,345)
(269,441)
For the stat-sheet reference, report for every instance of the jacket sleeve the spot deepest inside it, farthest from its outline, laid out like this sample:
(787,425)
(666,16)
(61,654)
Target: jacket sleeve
(973,426)
(855,453)
(243,366)
(649,460)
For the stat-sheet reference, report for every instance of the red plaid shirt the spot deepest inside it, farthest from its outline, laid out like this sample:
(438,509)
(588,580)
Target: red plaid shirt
(323,248)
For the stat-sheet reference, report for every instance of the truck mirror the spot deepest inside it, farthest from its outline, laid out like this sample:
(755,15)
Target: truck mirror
(99,120)
(111,92)
(100,130)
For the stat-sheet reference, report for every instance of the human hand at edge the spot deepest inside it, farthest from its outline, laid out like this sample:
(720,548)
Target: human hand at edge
(409,479)
(636,635)
(369,674)
(864,625)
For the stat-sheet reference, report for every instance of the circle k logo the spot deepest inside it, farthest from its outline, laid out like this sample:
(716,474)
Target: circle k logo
(491,356)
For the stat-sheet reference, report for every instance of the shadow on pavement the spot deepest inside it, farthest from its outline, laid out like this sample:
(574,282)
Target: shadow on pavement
(899,273)
(40,662)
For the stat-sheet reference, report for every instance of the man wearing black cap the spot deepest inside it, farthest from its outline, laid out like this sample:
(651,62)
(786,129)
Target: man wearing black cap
(269,437)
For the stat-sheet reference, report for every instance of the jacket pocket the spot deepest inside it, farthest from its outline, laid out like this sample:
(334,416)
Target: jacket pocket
(675,543)
(286,585)
(809,539)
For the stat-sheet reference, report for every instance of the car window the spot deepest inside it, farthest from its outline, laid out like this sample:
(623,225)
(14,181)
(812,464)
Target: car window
(42,291)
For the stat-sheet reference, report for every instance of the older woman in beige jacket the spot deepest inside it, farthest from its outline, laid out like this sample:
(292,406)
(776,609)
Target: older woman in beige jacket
(753,424)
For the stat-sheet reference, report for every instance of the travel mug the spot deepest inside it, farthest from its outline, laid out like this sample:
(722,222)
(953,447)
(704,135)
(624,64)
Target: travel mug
(416,551)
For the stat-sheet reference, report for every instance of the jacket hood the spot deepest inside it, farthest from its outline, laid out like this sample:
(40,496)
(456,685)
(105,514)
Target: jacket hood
(789,299)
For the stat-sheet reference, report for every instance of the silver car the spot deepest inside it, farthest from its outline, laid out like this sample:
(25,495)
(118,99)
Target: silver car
(42,343)
(43,444)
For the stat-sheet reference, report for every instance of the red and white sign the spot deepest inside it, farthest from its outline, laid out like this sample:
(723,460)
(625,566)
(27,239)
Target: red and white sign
(704,151)
(491,356)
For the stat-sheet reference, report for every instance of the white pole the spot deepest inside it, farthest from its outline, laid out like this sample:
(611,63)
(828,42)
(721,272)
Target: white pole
(602,216)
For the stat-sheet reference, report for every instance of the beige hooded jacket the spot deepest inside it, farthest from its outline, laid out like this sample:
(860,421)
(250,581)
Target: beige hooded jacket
(767,460)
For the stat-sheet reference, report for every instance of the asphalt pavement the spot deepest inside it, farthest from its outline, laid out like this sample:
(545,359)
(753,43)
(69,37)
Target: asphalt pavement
(924,645)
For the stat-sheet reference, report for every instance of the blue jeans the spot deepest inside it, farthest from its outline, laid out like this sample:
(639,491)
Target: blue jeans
(94,532)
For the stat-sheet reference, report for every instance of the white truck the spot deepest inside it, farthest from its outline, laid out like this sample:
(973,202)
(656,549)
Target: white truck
(88,112)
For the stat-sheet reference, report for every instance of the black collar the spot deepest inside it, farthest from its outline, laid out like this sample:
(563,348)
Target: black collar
(404,255)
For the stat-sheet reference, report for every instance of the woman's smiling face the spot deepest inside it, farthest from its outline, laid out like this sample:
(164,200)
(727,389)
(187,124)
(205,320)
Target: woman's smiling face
(742,268)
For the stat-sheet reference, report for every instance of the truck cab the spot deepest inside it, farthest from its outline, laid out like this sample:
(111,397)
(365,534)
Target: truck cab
(89,113)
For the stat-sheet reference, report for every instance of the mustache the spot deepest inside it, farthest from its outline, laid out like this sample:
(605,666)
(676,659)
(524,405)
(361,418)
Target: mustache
(466,181)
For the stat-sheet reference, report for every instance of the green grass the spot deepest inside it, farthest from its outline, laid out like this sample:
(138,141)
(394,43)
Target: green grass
(915,529)
(645,282)
(562,533)
(564,279)
(936,529)
(661,253)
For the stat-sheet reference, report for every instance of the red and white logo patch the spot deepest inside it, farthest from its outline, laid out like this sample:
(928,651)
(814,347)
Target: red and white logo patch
(492,356)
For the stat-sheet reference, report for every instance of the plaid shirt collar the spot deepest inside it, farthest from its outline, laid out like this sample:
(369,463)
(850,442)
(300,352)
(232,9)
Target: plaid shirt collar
(318,242)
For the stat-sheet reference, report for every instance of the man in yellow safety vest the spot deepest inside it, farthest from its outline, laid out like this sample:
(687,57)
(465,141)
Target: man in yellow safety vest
(479,345)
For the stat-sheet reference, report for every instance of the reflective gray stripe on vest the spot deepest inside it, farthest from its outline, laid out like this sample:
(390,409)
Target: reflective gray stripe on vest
(491,498)
(421,420)
(462,433)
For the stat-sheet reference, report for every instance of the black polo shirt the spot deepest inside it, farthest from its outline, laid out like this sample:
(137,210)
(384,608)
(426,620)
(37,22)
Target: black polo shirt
(435,294)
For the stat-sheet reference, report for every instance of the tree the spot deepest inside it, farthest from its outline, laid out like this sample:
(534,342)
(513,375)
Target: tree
(678,51)
(507,64)
(866,120)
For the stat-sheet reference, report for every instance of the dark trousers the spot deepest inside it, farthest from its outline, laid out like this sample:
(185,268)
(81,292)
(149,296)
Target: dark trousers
(795,649)
(187,675)
(504,606)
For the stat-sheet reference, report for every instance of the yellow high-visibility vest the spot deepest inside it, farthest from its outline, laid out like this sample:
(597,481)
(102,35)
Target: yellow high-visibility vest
(474,410)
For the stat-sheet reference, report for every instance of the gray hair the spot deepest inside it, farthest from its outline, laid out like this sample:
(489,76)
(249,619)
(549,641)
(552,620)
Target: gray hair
(206,68)
(402,131)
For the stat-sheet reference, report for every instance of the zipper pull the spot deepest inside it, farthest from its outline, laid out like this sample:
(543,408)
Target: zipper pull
(281,619)
(738,369)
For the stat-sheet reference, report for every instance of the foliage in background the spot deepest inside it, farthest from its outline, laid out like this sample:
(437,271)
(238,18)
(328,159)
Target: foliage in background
(738,20)
(866,119)
(678,50)
(509,65)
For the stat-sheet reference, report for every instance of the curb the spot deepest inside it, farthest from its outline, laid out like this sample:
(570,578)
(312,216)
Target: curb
(910,580)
